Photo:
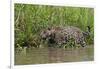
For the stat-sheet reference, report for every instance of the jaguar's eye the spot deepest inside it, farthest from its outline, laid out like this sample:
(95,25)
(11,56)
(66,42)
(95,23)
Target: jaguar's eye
(44,38)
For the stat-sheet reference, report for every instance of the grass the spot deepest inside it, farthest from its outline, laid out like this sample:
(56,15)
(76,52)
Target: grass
(30,19)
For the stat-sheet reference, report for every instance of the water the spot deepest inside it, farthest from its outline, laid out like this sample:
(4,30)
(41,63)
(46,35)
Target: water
(53,55)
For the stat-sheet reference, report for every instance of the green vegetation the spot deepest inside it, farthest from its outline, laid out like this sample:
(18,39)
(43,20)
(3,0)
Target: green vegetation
(29,20)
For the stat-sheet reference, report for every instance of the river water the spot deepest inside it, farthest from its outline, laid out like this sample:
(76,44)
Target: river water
(53,55)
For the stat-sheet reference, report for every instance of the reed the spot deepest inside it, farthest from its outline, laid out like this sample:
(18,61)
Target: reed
(29,20)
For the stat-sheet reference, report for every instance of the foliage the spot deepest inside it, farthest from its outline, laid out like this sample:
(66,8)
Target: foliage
(29,20)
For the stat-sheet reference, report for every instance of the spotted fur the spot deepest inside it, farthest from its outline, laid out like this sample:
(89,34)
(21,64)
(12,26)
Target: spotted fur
(61,35)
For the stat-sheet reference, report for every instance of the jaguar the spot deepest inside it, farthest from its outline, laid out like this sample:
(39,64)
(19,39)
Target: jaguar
(62,35)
